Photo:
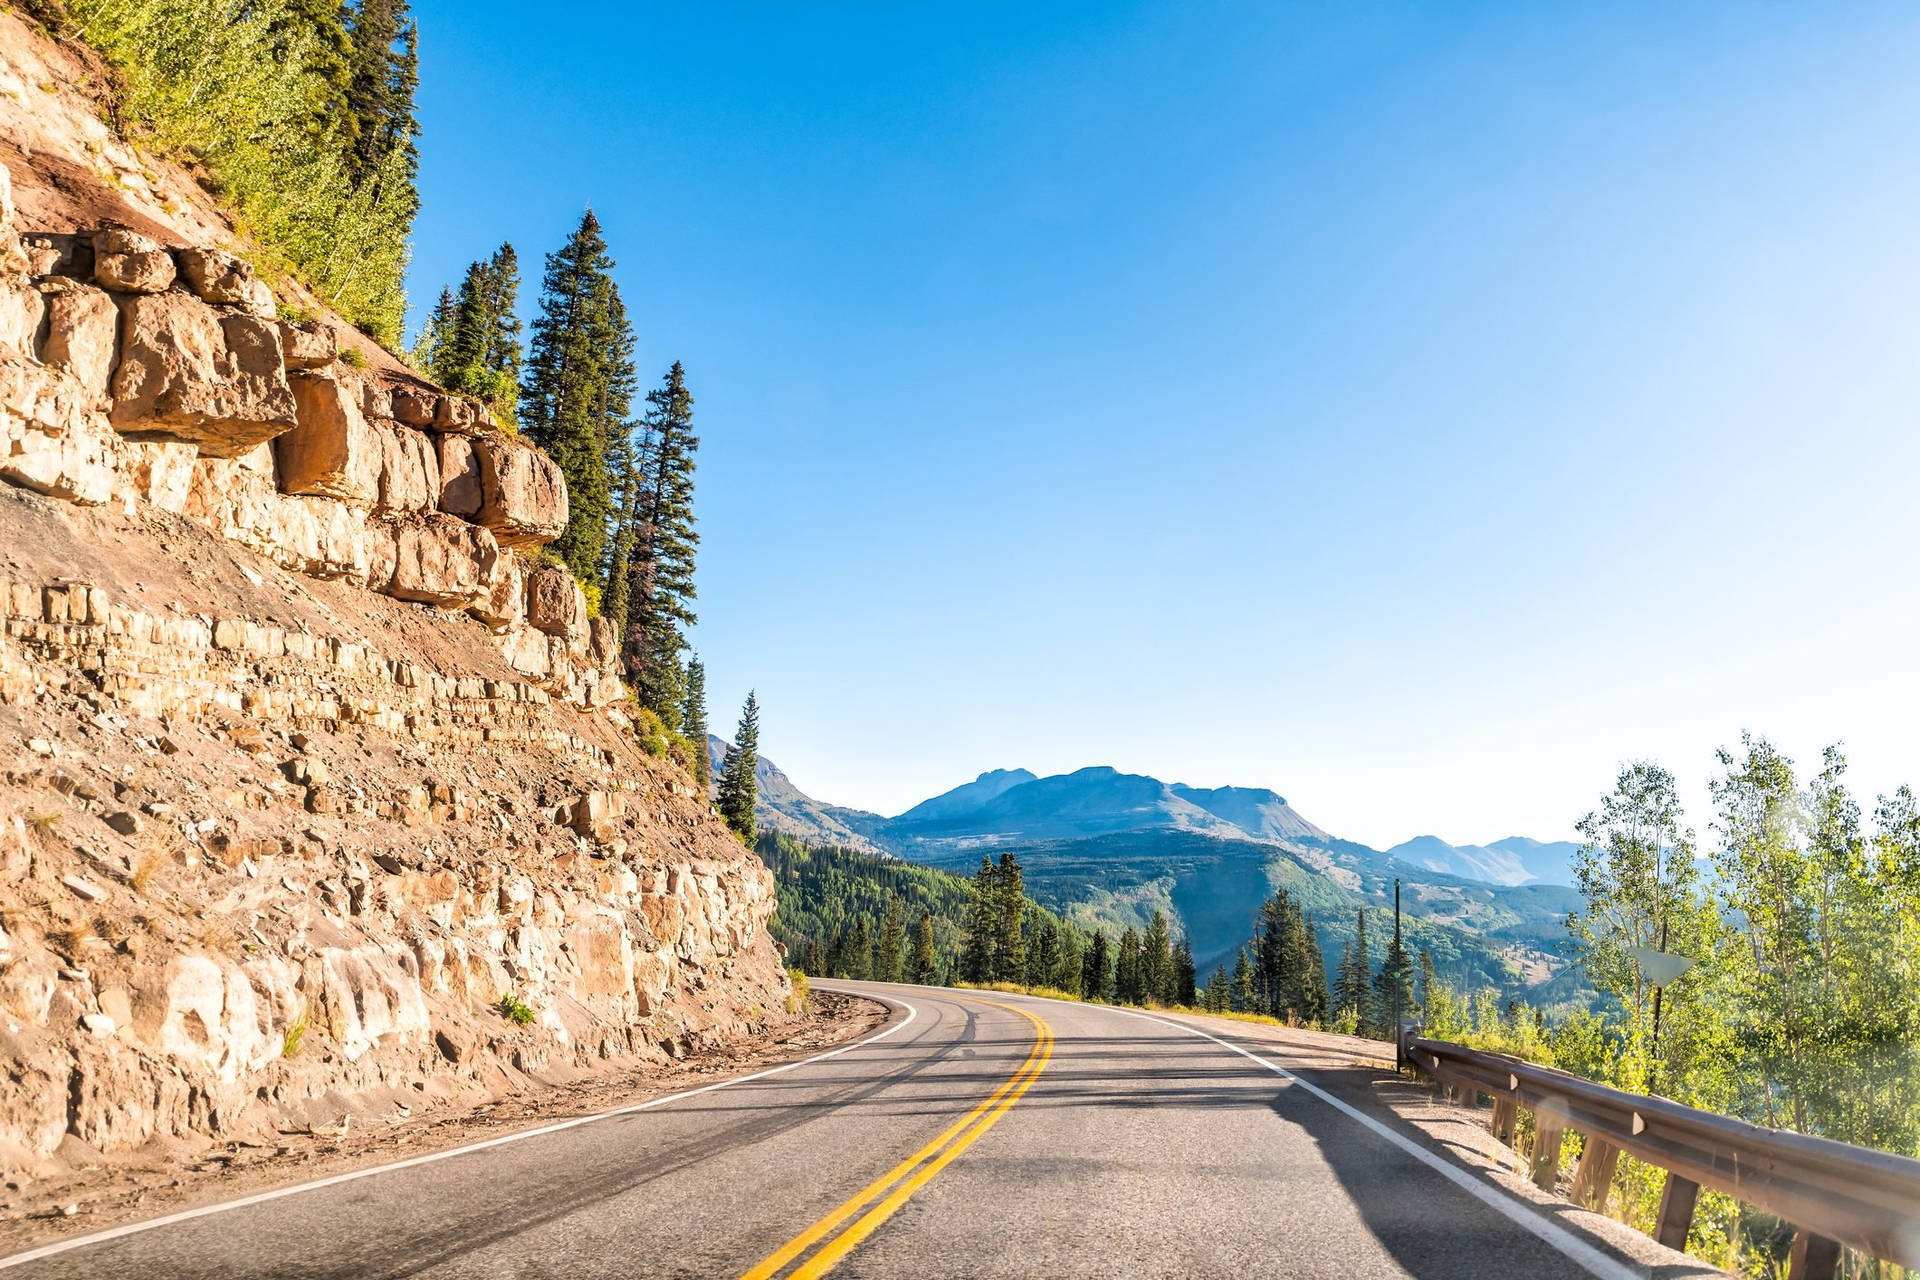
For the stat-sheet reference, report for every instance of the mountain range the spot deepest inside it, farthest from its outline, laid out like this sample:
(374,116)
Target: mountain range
(1107,848)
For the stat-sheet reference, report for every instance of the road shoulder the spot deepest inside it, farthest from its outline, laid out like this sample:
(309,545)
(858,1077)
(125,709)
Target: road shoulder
(155,1181)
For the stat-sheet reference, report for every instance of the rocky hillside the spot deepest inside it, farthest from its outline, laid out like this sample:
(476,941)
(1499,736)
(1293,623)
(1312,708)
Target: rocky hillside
(319,796)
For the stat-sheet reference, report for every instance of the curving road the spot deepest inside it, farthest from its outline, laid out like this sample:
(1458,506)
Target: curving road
(974,1135)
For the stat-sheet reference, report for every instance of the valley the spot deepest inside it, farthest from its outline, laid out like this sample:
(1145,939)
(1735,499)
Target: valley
(1105,850)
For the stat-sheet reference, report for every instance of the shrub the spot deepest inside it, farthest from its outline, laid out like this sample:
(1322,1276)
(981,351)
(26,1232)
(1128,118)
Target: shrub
(514,1009)
(800,997)
(225,81)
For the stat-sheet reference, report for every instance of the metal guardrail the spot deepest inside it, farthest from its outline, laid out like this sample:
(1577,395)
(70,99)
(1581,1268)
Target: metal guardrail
(1833,1194)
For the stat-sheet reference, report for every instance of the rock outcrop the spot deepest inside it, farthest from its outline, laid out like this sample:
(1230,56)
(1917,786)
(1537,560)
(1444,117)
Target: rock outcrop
(310,758)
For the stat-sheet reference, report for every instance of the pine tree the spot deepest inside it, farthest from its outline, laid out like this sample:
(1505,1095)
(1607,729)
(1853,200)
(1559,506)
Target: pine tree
(1096,976)
(1314,999)
(977,961)
(1219,997)
(891,950)
(317,29)
(1183,975)
(1428,980)
(858,957)
(1072,957)
(693,721)
(384,74)
(1043,958)
(739,789)
(1246,996)
(1010,951)
(921,968)
(476,335)
(1359,993)
(657,544)
(1129,978)
(1393,985)
(1156,961)
(578,388)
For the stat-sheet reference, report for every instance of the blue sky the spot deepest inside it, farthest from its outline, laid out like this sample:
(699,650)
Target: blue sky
(1418,409)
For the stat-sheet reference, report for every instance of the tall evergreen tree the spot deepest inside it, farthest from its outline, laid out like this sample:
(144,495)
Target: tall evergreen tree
(476,335)
(657,542)
(1184,978)
(1096,976)
(384,74)
(1156,960)
(693,720)
(1072,958)
(1129,977)
(578,387)
(1043,957)
(1428,980)
(1010,950)
(1246,994)
(1219,994)
(1393,985)
(891,950)
(739,789)
(857,959)
(921,968)
(977,958)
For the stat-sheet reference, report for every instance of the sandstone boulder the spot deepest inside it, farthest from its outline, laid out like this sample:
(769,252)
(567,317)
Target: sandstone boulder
(309,344)
(523,495)
(376,401)
(332,451)
(415,407)
(218,276)
(128,262)
(441,560)
(503,604)
(555,603)
(316,536)
(368,995)
(23,319)
(189,373)
(457,414)
(603,642)
(83,327)
(459,477)
(409,470)
(53,438)
(52,254)
(158,472)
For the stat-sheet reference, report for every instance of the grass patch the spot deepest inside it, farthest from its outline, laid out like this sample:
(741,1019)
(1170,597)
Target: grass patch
(514,1009)
(43,821)
(290,1042)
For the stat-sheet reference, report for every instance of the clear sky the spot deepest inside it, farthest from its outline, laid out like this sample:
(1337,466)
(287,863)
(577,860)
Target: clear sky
(1418,409)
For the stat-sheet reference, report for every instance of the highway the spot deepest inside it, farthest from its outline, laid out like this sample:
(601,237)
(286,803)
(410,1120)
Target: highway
(974,1135)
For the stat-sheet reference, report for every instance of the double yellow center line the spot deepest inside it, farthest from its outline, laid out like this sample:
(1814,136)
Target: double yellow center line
(896,1186)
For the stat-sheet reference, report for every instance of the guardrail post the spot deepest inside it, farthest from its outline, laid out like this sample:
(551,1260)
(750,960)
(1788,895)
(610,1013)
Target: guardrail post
(1593,1181)
(1813,1257)
(1676,1211)
(1506,1117)
(1547,1137)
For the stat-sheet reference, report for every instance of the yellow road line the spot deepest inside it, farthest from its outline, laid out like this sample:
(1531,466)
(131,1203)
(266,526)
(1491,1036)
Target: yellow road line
(935,1156)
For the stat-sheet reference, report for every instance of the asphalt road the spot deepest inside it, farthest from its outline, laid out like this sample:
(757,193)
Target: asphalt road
(977,1135)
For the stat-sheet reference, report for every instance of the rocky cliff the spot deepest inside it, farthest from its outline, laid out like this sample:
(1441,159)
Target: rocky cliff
(318,795)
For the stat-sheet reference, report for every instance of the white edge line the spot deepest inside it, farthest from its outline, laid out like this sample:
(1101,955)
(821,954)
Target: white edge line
(187,1215)
(1596,1261)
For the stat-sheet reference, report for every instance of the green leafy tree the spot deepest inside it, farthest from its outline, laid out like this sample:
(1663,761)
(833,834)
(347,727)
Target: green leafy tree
(739,789)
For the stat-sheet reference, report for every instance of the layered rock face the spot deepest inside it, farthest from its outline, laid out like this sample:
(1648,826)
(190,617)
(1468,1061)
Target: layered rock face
(310,761)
